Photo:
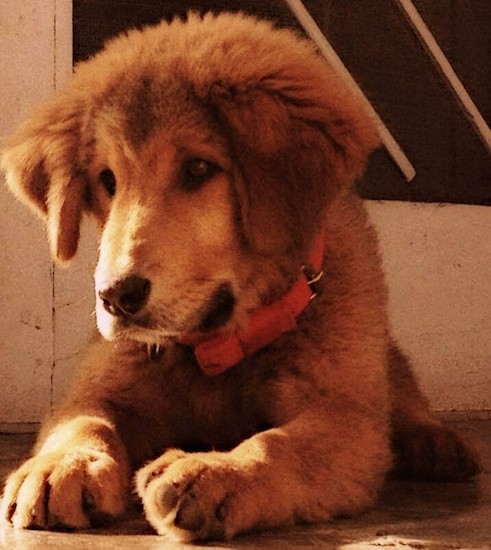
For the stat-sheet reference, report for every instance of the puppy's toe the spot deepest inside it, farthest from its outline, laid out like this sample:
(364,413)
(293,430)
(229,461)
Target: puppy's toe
(156,469)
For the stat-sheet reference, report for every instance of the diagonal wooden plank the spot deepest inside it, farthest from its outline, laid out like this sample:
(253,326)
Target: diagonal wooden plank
(325,48)
(440,60)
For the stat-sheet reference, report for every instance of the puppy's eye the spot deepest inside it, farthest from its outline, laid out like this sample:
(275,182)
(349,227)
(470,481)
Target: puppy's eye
(108,180)
(196,172)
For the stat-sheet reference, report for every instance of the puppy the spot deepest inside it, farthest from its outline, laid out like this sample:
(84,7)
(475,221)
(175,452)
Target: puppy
(247,373)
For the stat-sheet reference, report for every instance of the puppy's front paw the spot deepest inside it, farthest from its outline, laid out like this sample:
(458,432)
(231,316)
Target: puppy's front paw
(70,489)
(190,496)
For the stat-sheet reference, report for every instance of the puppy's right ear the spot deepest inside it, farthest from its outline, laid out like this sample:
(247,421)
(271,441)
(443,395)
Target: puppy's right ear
(42,169)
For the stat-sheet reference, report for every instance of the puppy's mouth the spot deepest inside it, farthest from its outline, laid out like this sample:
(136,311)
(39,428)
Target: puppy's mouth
(219,310)
(155,328)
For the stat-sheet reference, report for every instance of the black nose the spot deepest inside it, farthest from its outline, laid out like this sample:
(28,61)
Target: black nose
(126,297)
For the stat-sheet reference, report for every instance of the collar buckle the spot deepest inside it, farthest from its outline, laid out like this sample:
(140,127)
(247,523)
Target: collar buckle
(216,353)
(312,279)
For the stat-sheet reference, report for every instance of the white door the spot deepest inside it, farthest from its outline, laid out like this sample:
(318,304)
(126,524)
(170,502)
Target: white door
(39,345)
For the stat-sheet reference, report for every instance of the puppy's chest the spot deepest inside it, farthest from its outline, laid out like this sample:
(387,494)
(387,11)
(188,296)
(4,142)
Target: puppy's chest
(194,411)
(222,414)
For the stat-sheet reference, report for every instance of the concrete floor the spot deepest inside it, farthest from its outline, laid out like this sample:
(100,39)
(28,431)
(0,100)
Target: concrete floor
(408,516)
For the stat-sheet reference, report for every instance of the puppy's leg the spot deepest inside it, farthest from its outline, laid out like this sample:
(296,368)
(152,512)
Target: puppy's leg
(321,464)
(424,448)
(79,472)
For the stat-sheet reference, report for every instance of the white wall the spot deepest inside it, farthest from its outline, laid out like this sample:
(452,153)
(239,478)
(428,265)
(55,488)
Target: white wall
(438,264)
(438,261)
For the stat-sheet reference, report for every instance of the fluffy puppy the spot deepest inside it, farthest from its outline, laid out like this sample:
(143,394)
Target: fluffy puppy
(218,156)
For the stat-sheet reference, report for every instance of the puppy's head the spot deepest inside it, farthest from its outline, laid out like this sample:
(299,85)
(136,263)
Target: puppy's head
(209,151)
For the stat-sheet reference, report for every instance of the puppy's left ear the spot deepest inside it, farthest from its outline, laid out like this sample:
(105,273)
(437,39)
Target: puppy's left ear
(299,137)
(41,169)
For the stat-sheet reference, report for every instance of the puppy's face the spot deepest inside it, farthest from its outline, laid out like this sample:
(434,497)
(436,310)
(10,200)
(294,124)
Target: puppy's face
(171,259)
(210,151)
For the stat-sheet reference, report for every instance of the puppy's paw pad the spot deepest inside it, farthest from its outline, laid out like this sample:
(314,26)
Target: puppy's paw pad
(189,515)
(167,498)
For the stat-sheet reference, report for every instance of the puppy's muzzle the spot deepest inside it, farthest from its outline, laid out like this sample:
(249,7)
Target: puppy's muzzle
(126,297)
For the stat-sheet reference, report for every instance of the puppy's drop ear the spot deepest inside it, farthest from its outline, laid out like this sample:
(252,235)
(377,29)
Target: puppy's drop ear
(299,138)
(40,163)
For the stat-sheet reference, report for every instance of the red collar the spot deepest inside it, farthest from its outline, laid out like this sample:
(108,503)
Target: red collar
(216,354)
